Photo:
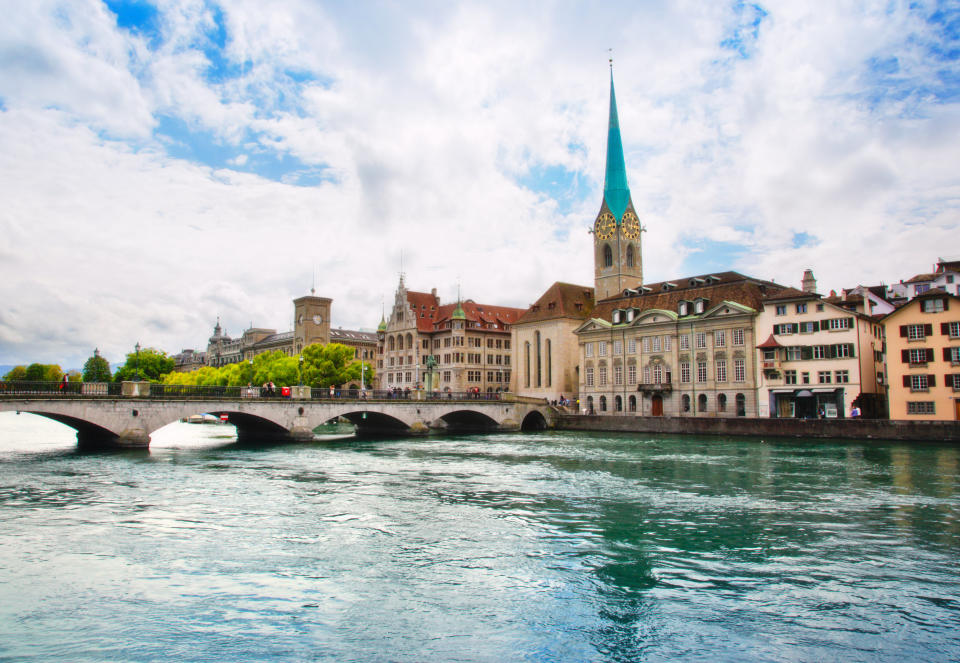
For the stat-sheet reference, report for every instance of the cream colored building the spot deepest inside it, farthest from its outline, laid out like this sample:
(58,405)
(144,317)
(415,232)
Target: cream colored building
(923,357)
(545,346)
(817,359)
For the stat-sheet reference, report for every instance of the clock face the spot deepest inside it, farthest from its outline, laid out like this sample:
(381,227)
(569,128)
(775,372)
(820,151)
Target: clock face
(605,226)
(317,319)
(631,226)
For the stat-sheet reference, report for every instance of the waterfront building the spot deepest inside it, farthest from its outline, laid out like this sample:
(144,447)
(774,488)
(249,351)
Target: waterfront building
(923,350)
(945,275)
(545,346)
(675,348)
(817,358)
(455,347)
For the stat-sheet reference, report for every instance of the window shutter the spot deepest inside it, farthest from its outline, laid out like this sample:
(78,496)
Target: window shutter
(928,329)
(806,352)
(903,331)
(947,380)
(946,354)
(906,380)
(933,380)
(905,356)
(816,325)
(930,356)
(946,303)
(944,328)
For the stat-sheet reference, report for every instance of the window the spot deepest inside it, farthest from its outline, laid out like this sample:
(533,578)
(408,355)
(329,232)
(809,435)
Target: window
(838,323)
(602,375)
(618,347)
(794,353)
(588,376)
(741,405)
(685,403)
(655,344)
(618,374)
(601,348)
(632,404)
(658,374)
(921,288)
(646,375)
(684,371)
(933,306)
(603,403)
(914,332)
(588,350)
(738,336)
(951,329)
(819,308)
(921,407)
(721,370)
(630,255)
(843,350)
(607,259)
(701,371)
(719,339)
(952,355)
(790,377)
(917,355)
(781,309)
(809,327)
(701,340)
(698,306)
(739,370)
(632,346)
(702,403)
(645,344)
(801,308)
(632,374)
(666,344)
(824,377)
(722,403)
(684,342)
(953,381)
(919,382)
(618,404)
(820,352)
(805,377)
(682,308)
(841,377)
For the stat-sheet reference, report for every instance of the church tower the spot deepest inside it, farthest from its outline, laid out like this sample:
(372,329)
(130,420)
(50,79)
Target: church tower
(616,232)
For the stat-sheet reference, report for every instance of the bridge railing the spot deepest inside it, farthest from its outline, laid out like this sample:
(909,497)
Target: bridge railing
(19,389)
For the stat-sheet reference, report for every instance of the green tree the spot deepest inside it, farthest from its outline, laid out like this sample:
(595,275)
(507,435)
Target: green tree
(332,364)
(96,369)
(43,373)
(16,373)
(151,364)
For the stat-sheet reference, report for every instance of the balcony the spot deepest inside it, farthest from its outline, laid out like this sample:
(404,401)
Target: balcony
(771,364)
(655,387)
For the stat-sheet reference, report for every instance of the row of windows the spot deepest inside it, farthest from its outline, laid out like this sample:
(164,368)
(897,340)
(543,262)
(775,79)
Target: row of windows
(401,377)
(455,358)
(663,343)
(809,327)
(925,382)
(703,403)
(805,352)
(401,342)
(823,377)
(659,374)
(801,307)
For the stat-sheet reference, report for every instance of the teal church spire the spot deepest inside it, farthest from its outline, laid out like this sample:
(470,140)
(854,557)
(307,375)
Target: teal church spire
(616,193)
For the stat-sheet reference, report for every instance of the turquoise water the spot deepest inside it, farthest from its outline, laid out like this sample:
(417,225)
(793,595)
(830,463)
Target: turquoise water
(512,547)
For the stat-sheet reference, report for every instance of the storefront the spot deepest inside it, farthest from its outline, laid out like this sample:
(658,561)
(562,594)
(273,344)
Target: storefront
(807,403)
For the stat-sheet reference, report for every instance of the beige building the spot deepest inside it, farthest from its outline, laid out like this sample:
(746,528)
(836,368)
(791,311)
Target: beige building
(817,358)
(456,347)
(545,345)
(675,348)
(923,357)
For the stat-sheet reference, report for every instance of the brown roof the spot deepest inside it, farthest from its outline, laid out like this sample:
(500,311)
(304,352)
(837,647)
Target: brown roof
(789,293)
(948,265)
(920,278)
(426,306)
(771,342)
(430,313)
(561,300)
(722,286)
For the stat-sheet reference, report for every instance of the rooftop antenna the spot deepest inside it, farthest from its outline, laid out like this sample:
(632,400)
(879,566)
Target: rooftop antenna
(313,286)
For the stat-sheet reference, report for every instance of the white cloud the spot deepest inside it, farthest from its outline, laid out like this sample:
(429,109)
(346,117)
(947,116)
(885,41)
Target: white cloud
(422,123)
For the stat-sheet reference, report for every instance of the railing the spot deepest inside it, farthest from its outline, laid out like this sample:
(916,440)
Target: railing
(18,389)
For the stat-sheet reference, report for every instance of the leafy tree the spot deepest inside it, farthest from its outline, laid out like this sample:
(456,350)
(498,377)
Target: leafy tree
(151,365)
(96,369)
(43,373)
(16,373)
(331,364)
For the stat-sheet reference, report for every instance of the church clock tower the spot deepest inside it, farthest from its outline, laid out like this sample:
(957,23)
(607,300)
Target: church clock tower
(616,232)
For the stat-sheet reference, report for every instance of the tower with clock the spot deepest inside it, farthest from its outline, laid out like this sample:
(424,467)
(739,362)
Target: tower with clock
(617,258)
(311,322)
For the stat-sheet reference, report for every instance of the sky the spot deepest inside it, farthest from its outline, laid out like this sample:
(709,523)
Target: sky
(163,164)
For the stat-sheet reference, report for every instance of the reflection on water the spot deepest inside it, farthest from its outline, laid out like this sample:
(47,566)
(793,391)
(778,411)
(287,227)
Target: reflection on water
(549,546)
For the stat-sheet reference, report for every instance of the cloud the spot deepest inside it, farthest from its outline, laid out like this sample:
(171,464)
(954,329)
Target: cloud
(208,159)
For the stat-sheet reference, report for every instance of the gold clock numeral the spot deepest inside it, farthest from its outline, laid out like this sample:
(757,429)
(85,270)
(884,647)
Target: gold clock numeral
(605,226)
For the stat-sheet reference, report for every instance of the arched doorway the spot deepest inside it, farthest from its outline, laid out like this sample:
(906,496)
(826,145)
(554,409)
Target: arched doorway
(656,408)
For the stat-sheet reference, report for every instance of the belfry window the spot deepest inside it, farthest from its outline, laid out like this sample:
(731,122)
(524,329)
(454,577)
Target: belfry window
(607,256)
(630,256)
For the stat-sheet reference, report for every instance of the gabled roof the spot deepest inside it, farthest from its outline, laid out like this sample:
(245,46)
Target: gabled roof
(715,288)
(789,294)
(561,300)
(350,335)
(769,344)
(921,278)
(932,292)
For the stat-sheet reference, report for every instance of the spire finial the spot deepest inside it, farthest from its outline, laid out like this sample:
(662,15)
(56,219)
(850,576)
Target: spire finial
(611,58)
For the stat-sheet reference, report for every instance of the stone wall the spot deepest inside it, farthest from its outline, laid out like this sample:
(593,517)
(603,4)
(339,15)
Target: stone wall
(859,429)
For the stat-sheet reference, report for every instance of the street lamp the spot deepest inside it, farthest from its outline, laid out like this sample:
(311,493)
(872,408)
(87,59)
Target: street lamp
(250,361)
(137,365)
(300,382)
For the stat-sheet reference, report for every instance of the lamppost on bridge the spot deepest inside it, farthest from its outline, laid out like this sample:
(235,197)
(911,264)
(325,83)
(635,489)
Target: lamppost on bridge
(300,381)
(137,364)
(250,361)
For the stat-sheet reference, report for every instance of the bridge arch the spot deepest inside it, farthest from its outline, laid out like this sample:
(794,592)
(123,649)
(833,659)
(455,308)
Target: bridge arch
(534,421)
(467,421)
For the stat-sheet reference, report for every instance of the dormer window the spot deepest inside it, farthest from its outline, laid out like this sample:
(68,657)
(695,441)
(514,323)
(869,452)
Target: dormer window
(631,312)
(683,307)
(699,305)
(616,316)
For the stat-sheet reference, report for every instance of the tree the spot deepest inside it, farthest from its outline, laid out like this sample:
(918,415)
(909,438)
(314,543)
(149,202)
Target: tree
(96,369)
(43,373)
(16,373)
(332,364)
(151,364)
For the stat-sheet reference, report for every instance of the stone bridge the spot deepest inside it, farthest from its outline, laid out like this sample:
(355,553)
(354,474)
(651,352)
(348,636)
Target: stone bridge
(128,422)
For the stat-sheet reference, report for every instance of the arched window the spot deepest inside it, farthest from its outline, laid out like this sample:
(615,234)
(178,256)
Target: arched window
(630,255)
(589,404)
(618,404)
(410,341)
(632,403)
(603,403)
(722,403)
(607,256)
(549,364)
(400,342)
(526,363)
(741,405)
(390,344)
(539,360)
(686,402)
(702,403)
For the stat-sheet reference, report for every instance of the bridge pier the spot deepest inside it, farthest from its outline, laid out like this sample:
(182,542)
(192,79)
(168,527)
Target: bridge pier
(133,438)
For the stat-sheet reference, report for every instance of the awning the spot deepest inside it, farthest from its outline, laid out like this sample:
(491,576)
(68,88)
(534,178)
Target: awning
(804,393)
(824,390)
(782,391)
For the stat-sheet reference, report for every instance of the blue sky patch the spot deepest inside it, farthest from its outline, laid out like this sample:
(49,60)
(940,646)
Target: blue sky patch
(566,187)
(742,37)
(802,239)
(709,256)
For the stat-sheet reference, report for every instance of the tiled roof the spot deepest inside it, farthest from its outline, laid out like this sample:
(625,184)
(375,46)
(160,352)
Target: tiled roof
(920,278)
(715,288)
(351,335)
(426,307)
(561,300)
(274,339)
(430,313)
(789,293)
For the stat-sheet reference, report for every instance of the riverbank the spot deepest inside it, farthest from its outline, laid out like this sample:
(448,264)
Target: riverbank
(858,429)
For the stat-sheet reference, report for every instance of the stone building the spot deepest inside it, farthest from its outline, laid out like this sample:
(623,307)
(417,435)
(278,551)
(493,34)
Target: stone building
(455,347)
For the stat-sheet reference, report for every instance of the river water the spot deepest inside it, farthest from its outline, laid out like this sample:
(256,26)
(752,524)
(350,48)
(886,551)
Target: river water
(551,546)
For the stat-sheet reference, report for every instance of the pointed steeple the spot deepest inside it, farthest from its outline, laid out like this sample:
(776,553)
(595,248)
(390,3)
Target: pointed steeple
(616,193)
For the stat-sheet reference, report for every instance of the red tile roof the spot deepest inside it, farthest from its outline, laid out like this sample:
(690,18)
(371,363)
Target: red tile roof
(561,300)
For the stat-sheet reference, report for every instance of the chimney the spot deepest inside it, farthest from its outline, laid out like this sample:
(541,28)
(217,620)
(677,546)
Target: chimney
(809,283)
